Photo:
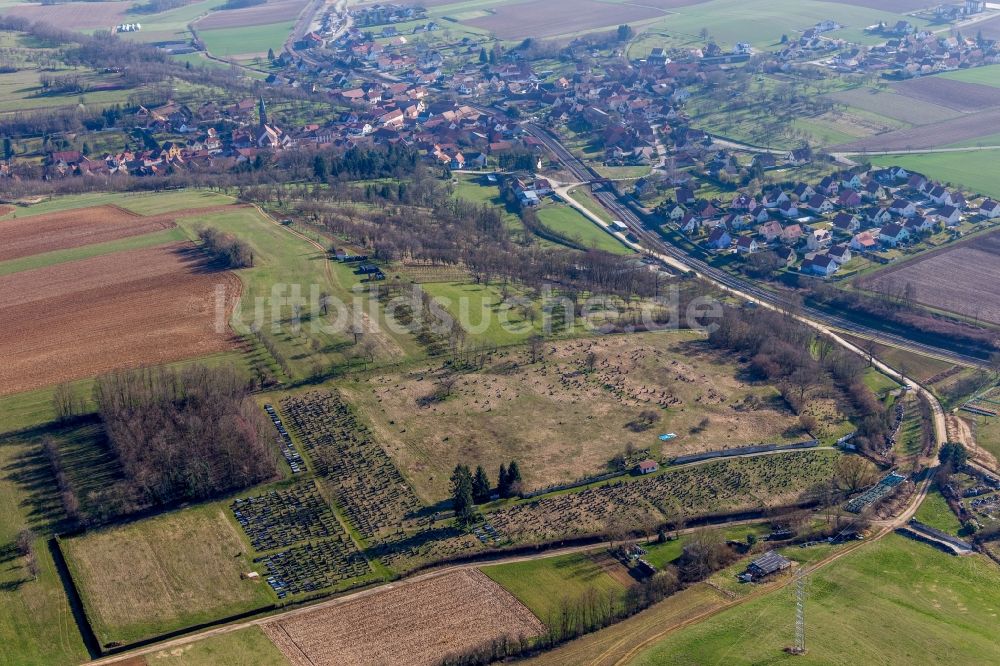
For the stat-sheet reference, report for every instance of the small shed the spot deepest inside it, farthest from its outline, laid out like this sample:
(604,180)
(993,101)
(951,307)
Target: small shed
(648,466)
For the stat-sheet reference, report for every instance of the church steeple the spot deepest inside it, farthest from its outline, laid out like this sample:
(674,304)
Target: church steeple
(262,111)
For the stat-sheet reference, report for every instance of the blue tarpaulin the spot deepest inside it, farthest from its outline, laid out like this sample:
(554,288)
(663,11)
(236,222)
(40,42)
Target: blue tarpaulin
(666,438)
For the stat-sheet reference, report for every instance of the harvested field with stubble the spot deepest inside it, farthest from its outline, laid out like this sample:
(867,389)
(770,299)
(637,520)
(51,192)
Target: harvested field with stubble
(413,624)
(960,279)
(26,236)
(82,318)
(559,17)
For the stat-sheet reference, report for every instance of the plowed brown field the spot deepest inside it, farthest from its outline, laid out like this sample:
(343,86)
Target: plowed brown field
(415,624)
(82,318)
(35,234)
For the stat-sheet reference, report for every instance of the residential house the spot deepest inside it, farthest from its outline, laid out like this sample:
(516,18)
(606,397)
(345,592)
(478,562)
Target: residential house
(820,264)
(720,238)
(865,241)
(840,253)
(848,198)
(771,231)
(989,209)
(846,222)
(788,210)
(787,255)
(817,239)
(746,245)
(792,234)
(903,207)
(949,215)
(893,234)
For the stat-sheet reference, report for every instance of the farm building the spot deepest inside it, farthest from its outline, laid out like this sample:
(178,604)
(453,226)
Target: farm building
(767,564)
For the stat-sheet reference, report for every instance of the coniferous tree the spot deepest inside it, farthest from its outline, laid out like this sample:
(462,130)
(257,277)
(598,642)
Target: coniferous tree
(513,479)
(503,485)
(481,486)
(461,495)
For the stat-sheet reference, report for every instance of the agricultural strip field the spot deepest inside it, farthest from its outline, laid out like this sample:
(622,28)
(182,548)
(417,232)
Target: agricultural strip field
(26,236)
(544,584)
(893,105)
(413,624)
(934,135)
(958,95)
(978,170)
(930,608)
(163,573)
(141,204)
(563,423)
(559,17)
(958,279)
(81,318)
(273,11)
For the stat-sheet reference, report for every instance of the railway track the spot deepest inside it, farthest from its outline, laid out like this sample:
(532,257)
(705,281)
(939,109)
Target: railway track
(679,258)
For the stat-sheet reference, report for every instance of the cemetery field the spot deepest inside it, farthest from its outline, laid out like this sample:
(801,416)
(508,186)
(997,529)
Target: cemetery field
(563,422)
(169,572)
(931,608)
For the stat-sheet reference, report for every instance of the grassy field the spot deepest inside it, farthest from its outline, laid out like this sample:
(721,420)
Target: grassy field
(986,76)
(562,424)
(988,434)
(930,608)
(543,585)
(572,224)
(165,573)
(246,647)
(247,40)
(934,511)
(483,312)
(36,622)
(976,170)
(606,646)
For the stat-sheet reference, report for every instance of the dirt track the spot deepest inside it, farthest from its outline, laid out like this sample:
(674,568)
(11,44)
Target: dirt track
(413,625)
(82,318)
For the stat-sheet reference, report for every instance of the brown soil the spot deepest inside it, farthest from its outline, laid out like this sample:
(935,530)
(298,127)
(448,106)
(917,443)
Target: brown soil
(74,15)
(83,318)
(415,624)
(35,234)
(272,11)
(559,17)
